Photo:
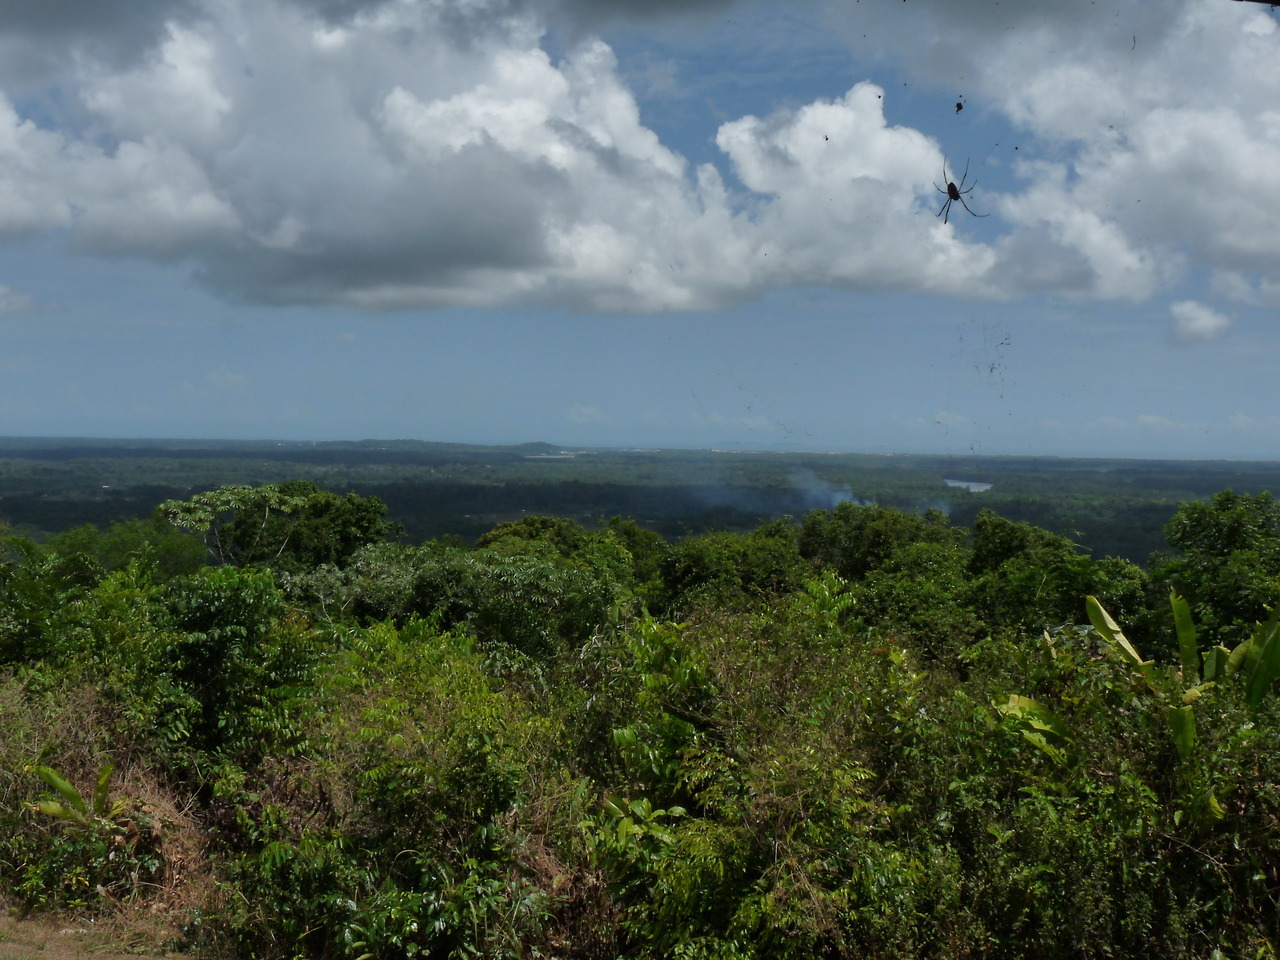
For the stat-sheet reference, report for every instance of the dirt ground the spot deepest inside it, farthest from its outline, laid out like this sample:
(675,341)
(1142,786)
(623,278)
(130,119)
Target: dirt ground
(44,938)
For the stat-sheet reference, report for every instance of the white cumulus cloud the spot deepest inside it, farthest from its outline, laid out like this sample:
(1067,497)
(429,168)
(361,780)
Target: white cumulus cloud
(403,154)
(1194,322)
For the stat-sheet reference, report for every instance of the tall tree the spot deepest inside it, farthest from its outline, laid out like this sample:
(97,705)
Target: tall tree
(1228,562)
(293,525)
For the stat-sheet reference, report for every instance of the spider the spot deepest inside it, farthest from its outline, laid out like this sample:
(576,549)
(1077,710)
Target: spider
(954,193)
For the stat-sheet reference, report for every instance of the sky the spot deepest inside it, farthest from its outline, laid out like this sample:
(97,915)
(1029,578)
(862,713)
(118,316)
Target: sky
(642,223)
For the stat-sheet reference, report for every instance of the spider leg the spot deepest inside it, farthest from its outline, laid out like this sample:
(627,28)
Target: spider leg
(946,208)
(965,176)
(940,190)
(966,206)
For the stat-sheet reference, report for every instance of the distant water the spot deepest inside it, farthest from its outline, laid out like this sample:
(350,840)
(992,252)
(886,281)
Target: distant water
(969,485)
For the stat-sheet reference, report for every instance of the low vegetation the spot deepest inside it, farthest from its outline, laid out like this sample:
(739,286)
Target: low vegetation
(257,726)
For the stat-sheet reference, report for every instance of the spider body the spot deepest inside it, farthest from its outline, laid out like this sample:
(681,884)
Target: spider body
(954,193)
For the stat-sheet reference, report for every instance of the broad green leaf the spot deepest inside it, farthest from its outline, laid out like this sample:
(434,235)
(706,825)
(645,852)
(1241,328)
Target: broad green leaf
(1236,661)
(626,828)
(1035,715)
(1038,738)
(1266,666)
(1198,691)
(1215,662)
(1112,633)
(1212,808)
(53,808)
(100,807)
(68,793)
(1182,721)
(1188,651)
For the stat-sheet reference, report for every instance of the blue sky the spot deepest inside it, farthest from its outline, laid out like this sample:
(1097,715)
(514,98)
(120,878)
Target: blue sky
(626,223)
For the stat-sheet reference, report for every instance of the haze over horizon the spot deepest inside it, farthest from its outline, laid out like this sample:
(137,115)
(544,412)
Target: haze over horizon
(628,224)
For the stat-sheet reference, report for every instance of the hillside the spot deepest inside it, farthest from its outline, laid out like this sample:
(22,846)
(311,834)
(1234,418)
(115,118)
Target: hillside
(257,726)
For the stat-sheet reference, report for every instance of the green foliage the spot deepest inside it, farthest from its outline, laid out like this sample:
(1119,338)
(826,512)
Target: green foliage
(73,807)
(236,656)
(855,540)
(555,538)
(155,541)
(536,605)
(207,662)
(102,852)
(445,752)
(730,569)
(922,592)
(417,858)
(647,550)
(1024,577)
(1227,564)
(1257,659)
(34,587)
(294,525)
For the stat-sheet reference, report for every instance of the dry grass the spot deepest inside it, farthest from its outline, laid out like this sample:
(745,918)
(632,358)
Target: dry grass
(75,731)
(142,924)
(46,938)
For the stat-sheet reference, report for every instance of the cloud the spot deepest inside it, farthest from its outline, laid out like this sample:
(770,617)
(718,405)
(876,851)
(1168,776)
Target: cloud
(1262,292)
(13,301)
(1195,323)
(582,413)
(1152,129)
(396,154)
(381,163)
(837,199)
(226,379)
(38,39)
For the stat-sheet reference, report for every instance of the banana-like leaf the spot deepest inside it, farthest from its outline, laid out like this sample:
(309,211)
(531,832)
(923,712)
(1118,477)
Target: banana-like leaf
(1198,691)
(100,807)
(1043,728)
(1035,714)
(1244,658)
(1186,630)
(1212,808)
(64,789)
(1266,660)
(1215,662)
(1182,722)
(1236,662)
(1112,633)
(52,808)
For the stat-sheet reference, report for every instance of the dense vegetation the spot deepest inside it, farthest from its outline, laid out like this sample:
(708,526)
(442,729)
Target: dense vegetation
(867,731)
(435,490)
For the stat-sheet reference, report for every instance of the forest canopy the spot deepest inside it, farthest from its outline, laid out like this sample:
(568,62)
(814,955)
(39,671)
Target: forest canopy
(263,718)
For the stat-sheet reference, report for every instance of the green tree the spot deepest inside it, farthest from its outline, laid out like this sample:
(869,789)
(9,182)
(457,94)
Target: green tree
(561,541)
(1228,562)
(294,525)
(647,549)
(225,650)
(174,552)
(922,591)
(728,568)
(34,587)
(855,539)
(1025,577)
